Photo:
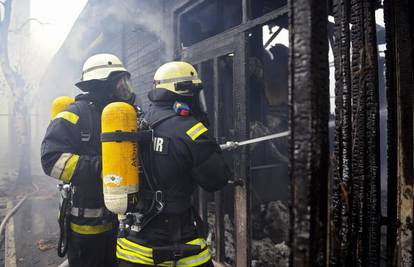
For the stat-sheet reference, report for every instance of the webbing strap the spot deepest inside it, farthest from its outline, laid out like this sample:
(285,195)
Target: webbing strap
(88,213)
(136,253)
(119,136)
(174,201)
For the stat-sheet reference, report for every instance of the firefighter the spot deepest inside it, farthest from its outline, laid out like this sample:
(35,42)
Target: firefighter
(165,230)
(71,152)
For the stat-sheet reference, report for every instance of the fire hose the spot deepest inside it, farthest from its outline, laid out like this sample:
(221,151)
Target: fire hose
(10,213)
(230,145)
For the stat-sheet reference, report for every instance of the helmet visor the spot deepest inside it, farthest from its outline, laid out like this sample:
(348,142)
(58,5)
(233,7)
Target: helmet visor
(123,90)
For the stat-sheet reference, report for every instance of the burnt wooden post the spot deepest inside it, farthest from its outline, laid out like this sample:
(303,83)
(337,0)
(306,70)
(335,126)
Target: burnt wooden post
(241,194)
(309,115)
(400,84)
(365,197)
(241,160)
(219,214)
(340,200)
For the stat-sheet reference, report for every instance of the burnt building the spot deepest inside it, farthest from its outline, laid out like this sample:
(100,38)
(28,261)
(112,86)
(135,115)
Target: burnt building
(312,198)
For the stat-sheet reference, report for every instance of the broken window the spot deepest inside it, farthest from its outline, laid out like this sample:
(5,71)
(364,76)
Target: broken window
(268,115)
(208,19)
(217,209)
(261,7)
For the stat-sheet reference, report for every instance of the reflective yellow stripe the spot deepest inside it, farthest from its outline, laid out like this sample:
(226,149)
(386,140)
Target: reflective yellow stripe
(90,229)
(195,260)
(69,168)
(133,246)
(136,253)
(197,130)
(128,256)
(60,165)
(69,116)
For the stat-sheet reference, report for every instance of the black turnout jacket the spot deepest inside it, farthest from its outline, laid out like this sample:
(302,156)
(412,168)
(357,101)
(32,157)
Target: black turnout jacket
(181,157)
(71,152)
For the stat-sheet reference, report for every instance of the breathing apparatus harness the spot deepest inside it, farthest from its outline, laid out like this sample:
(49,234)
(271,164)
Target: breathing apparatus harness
(65,205)
(136,221)
(66,190)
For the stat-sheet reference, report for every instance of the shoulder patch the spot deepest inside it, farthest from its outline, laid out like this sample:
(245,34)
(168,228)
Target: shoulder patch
(69,116)
(197,130)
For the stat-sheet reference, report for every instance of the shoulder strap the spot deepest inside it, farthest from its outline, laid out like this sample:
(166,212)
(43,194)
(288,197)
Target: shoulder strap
(161,120)
(86,124)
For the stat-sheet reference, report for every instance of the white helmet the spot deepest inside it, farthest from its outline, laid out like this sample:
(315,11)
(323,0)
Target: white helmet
(99,67)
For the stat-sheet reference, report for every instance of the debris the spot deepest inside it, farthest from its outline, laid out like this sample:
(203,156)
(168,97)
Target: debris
(44,245)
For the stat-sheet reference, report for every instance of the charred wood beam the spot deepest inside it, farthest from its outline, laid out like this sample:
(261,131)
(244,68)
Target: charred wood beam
(340,221)
(274,35)
(241,160)
(399,71)
(365,198)
(391,93)
(219,213)
(358,133)
(227,38)
(309,115)
(372,219)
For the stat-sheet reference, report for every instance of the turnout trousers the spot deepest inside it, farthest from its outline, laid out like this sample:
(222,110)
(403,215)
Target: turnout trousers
(92,251)
(130,264)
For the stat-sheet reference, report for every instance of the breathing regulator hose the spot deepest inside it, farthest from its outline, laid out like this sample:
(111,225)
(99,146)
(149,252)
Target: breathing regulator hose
(64,224)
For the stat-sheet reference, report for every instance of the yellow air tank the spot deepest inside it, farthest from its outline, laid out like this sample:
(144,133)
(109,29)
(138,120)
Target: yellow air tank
(60,104)
(119,157)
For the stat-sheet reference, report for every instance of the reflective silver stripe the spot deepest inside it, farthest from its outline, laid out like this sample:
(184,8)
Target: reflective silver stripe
(197,130)
(134,258)
(199,259)
(133,253)
(124,244)
(177,80)
(60,165)
(88,213)
(103,67)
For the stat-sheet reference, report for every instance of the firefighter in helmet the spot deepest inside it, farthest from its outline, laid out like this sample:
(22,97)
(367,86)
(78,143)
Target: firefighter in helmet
(71,152)
(165,230)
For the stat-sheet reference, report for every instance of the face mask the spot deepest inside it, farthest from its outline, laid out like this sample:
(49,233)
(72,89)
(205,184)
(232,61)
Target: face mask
(200,106)
(123,90)
(202,101)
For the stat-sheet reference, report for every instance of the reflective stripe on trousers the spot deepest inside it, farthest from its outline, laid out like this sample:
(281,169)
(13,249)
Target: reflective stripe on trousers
(87,213)
(136,253)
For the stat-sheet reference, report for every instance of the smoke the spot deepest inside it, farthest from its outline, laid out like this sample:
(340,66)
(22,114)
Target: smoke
(144,14)
(103,18)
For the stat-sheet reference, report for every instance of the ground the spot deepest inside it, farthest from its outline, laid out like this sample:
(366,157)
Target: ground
(32,234)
